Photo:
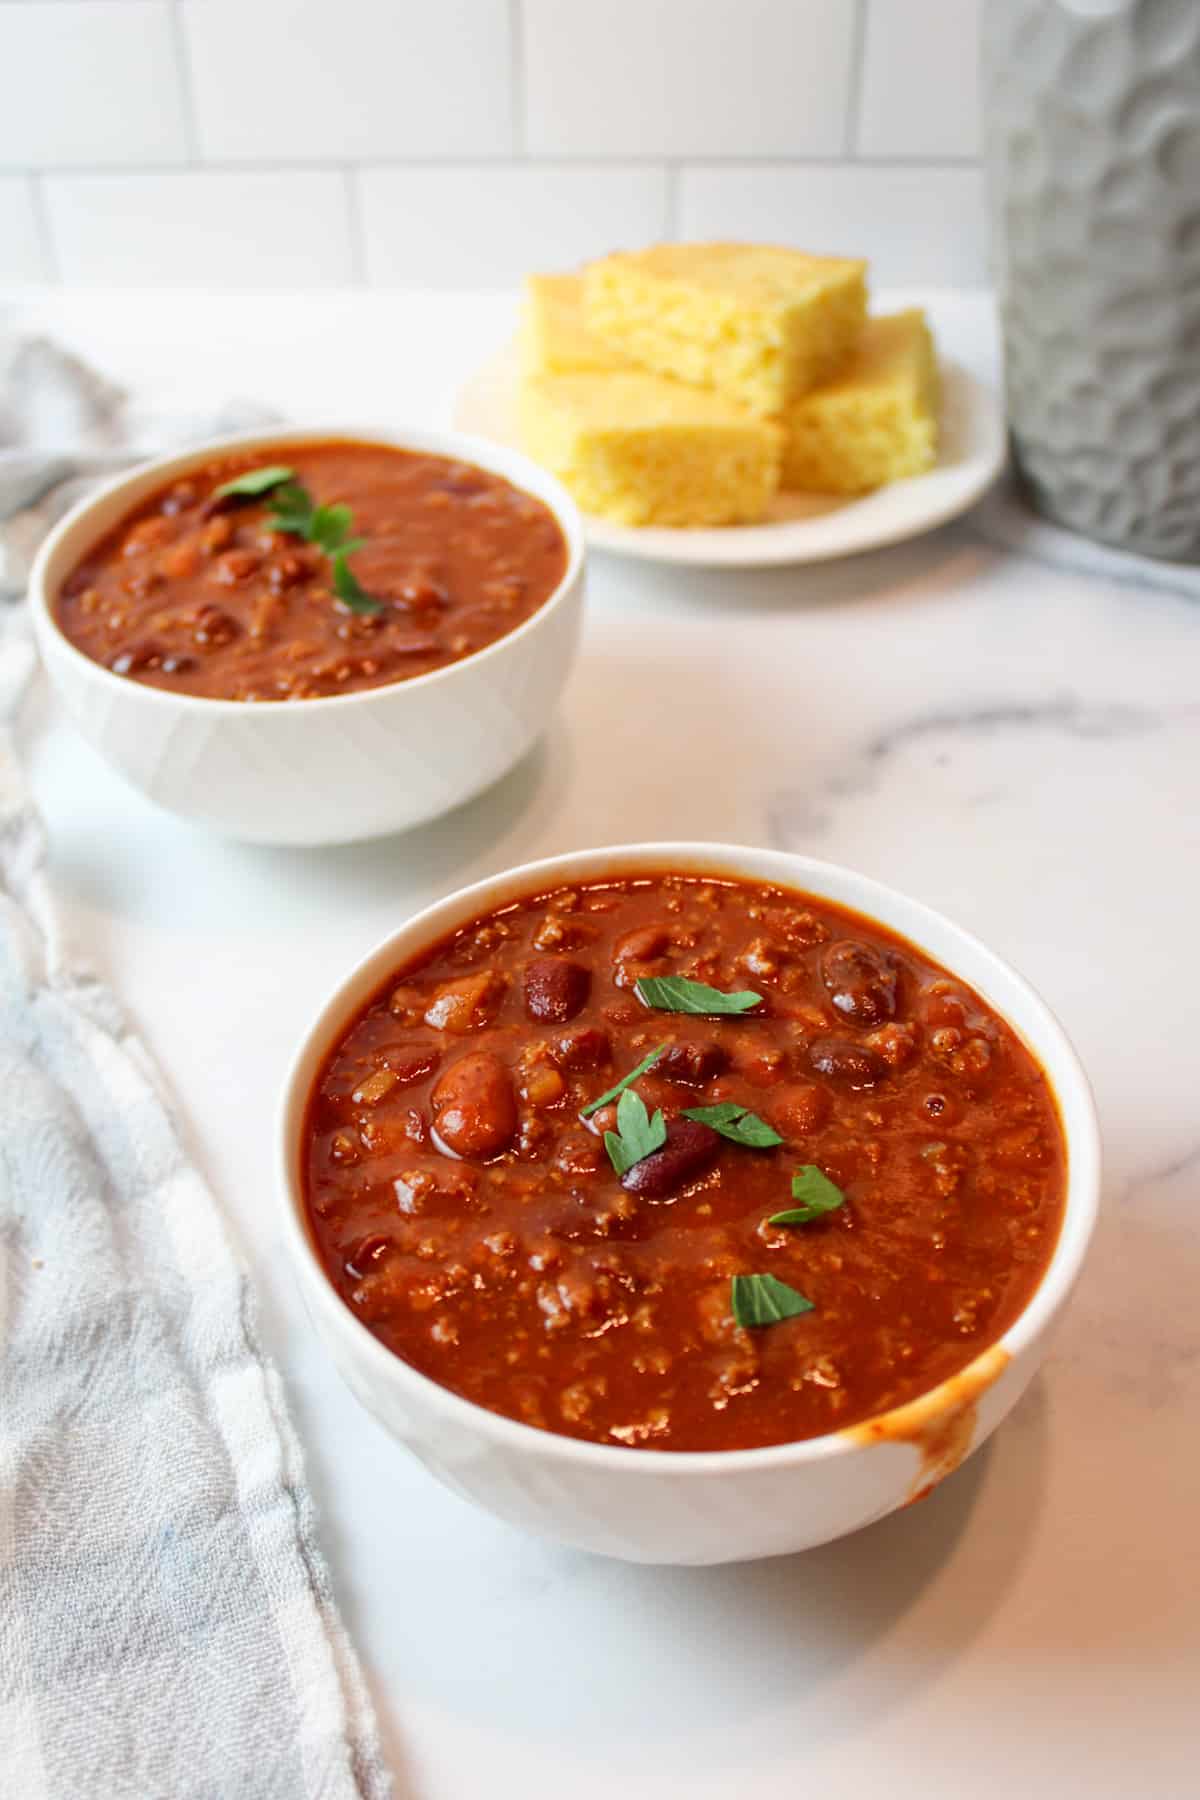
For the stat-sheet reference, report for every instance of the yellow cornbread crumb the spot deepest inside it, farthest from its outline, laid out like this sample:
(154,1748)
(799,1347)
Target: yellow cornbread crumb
(643,451)
(759,324)
(554,337)
(873,423)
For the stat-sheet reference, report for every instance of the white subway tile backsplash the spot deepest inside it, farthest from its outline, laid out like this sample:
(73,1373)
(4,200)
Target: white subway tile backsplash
(202,229)
(278,143)
(920,94)
(486,226)
(684,78)
(301,80)
(88,82)
(915,224)
(21,258)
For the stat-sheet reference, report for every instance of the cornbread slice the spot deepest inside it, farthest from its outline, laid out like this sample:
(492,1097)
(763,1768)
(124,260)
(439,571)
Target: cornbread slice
(644,451)
(876,421)
(555,339)
(760,325)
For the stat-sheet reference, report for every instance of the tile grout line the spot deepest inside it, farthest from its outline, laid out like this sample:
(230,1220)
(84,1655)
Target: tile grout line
(301,166)
(183,72)
(45,230)
(858,66)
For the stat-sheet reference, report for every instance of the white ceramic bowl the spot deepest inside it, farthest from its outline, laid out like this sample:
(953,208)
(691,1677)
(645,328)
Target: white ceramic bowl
(725,1506)
(329,770)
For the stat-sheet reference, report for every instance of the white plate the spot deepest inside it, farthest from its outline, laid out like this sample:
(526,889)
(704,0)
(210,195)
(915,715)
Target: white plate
(799,528)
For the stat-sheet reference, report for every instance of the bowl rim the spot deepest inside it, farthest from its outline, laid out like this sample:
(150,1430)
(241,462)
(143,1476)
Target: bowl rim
(498,459)
(805,873)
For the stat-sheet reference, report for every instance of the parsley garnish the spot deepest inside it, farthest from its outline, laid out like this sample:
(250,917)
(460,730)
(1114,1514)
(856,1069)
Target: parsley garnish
(765,1300)
(817,1193)
(331,529)
(735,1123)
(346,586)
(254,481)
(637,1134)
(675,993)
(620,1086)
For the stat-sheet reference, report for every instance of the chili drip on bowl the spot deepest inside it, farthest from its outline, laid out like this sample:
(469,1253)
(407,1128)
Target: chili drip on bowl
(310,569)
(681,1163)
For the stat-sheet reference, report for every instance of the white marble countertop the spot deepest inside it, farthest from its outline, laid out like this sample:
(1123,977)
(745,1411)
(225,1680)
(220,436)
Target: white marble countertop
(1013,742)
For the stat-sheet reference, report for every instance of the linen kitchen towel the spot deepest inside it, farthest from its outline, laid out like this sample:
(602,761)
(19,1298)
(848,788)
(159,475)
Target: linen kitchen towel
(167,1630)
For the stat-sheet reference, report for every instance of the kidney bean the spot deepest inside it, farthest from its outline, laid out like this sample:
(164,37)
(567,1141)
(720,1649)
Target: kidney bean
(690,1149)
(474,1108)
(603,1120)
(214,628)
(861,981)
(218,534)
(412,1064)
(178,499)
(235,566)
(843,1061)
(179,562)
(416,593)
(693,1064)
(291,568)
(368,1254)
(798,1109)
(643,951)
(147,534)
(586,1048)
(460,479)
(555,988)
(148,655)
(645,944)
(144,582)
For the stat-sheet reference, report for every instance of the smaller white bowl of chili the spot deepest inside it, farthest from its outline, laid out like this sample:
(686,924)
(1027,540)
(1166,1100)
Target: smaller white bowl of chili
(310,637)
(687,1203)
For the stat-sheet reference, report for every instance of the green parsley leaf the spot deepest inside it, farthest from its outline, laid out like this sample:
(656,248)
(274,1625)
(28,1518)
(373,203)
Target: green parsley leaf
(675,993)
(254,481)
(330,528)
(347,589)
(735,1123)
(817,1193)
(637,1134)
(619,1087)
(291,509)
(765,1300)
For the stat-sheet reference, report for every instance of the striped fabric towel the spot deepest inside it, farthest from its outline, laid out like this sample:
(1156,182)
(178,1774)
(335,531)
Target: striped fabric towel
(167,1630)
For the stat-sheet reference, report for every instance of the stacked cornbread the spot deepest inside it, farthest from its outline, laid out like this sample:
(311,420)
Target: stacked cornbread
(685,384)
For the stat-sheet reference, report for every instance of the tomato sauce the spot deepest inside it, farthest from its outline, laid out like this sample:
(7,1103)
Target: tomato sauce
(478,1225)
(200,592)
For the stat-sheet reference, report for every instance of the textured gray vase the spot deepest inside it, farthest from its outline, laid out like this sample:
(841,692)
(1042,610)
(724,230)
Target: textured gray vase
(1093,145)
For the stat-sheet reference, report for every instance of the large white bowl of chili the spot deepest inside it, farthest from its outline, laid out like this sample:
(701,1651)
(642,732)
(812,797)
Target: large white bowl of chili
(868,1249)
(311,637)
